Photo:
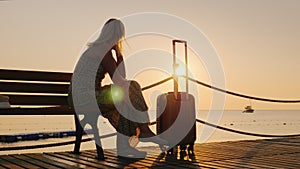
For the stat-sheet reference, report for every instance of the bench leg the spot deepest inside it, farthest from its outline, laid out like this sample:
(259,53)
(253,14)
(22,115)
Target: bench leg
(100,154)
(79,133)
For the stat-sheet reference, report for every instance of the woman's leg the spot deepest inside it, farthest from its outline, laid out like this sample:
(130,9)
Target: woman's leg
(123,126)
(125,150)
(141,111)
(126,129)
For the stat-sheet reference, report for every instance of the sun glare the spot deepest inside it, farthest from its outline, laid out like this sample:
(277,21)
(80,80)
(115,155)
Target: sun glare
(117,94)
(180,70)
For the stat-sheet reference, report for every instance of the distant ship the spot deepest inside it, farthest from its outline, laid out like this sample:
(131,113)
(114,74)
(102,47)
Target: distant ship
(248,109)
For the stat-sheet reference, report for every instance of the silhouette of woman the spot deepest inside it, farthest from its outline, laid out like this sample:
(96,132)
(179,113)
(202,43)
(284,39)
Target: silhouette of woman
(122,102)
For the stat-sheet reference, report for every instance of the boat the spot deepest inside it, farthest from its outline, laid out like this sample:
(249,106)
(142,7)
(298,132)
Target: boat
(248,109)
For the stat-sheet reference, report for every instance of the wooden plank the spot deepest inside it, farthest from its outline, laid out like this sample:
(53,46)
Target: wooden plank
(19,162)
(34,162)
(7,164)
(78,163)
(234,163)
(274,161)
(238,154)
(155,159)
(91,159)
(50,161)
(110,158)
(18,87)
(264,148)
(183,161)
(67,162)
(59,110)
(120,162)
(212,164)
(75,159)
(27,75)
(37,100)
(284,159)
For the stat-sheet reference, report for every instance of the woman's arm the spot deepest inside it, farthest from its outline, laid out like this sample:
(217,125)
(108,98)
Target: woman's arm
(120,63)
(110,65)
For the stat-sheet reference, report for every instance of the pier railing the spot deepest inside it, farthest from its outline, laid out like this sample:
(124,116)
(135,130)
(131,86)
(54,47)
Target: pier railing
(197,120)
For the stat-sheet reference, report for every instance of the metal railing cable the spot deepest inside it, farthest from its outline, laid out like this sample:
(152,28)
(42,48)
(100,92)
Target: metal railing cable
(243,132)
(198,120)
(240,132)
(157,83)
(241,95)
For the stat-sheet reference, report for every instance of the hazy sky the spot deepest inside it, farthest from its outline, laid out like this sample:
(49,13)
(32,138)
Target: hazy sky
(257,40)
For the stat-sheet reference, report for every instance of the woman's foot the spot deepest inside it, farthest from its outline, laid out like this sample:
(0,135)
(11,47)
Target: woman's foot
(125,150)
(162,148)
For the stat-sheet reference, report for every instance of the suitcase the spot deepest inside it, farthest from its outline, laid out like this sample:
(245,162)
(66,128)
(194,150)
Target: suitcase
(179,129)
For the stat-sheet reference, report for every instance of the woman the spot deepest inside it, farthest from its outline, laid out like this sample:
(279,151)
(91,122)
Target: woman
(122,102)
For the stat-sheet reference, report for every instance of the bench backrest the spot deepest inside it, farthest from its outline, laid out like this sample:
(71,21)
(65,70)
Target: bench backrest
(35,88)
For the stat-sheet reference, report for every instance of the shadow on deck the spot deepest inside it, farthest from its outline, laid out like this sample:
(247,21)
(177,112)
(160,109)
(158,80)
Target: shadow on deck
(270,153)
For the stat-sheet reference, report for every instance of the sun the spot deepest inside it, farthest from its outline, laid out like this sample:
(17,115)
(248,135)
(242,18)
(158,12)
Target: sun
(180,70)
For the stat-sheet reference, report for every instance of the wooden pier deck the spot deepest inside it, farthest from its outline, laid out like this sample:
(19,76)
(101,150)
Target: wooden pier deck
(268,153)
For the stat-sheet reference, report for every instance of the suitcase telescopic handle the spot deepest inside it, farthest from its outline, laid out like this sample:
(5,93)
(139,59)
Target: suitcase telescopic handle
(175,65)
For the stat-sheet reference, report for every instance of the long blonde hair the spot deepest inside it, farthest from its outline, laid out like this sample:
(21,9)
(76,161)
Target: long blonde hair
(113,33)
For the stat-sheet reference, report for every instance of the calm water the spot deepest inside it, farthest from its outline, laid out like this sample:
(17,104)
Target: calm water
(261,121)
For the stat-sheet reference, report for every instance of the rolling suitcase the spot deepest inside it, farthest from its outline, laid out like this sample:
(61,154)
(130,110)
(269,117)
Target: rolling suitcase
(176,115)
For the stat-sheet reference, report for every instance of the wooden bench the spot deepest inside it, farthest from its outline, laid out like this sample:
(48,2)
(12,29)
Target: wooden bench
(40,93)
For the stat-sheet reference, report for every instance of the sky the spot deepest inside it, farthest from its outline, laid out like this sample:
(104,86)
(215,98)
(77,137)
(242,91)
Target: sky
(257,41)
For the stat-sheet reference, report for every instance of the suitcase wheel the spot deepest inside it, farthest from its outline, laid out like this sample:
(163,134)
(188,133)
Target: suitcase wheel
(170,151)
(182,155)
(182,147)
(191,149)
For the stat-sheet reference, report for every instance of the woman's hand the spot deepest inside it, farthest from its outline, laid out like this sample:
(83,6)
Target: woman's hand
(117,50)
(119,62)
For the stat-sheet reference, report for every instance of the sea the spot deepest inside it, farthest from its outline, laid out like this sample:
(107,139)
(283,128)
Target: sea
(270,122)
